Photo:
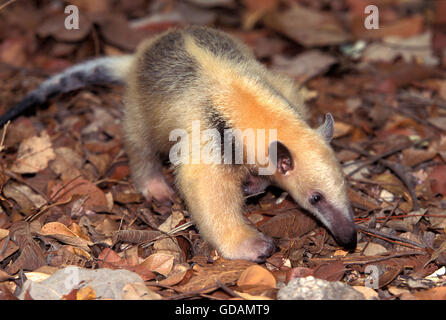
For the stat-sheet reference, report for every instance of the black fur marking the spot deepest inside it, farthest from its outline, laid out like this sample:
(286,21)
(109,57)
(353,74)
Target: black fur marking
(216,120)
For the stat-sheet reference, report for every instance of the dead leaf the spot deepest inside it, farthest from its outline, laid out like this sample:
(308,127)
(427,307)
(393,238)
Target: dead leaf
(34,154)
(391,183)
(3,233)
(7,248)
(86,293)
(304,66)
(363,200)
(256,276)
(298,272)
(412,156)
(416,48)
(172,221)
(117,32)
(110,259)
(31,256)
(341,129)
(368,293)
(288,225)
(330,271)
(60,232)
(402,27)
(97,6)
(5,293)
(96,198)
(26,198)
(100,162)
(307,26)
(225,271)
(125,197)
(158,262)
(431,294)
(138,291)
(54,26)
(437,179)
(67,163)
(177,274)
(374,249)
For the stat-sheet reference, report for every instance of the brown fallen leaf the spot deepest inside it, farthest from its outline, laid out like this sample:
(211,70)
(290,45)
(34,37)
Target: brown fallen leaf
(330,271)
(117,32)
(307,26)
(158,262)
(60,232)
(363,200)
(392,184)
(393,47)
(5,293)
(54,26)
(389,274)
(431,294)
(67,163)
(124,197)
(289,225)
(86,293)
(13,51)
(110,259)
(256,276)
(138,291)
(31,256)
(402,27)
(24,196)
(412,156)
(304,66)
(96,198)
(298,272)
(100,162)
(224,271)
(7,248)
(437,179)
(34,154)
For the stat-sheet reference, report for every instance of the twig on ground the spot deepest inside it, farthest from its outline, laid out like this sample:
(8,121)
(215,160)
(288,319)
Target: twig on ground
(388,237)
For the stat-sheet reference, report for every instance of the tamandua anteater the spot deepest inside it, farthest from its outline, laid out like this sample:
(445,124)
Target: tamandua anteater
(200,74)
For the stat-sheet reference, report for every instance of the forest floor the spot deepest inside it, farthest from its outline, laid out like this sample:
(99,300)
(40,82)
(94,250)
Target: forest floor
(66,197)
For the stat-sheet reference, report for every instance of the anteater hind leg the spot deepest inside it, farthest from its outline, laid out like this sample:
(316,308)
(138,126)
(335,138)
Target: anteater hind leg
(214,198)
(144,162)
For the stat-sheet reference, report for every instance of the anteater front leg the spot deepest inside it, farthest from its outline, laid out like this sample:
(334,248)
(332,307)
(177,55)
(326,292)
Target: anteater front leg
(214,197)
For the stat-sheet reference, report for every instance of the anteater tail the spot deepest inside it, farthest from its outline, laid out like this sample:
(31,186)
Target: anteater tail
(107,70)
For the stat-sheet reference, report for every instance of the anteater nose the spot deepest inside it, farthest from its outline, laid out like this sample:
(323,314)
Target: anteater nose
(347,238)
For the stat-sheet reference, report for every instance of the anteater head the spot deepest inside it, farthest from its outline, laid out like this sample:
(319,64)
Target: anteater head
(308,169)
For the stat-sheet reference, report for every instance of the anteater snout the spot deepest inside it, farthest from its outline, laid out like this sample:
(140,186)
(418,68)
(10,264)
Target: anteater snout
(346,237)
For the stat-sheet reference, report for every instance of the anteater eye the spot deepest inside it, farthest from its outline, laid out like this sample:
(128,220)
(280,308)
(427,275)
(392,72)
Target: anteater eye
(315,198)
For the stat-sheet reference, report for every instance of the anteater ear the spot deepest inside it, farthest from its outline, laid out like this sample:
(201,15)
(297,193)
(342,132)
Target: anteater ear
(327,128)
(283,159)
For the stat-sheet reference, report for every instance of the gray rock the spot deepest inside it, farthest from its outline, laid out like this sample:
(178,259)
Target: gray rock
(106,283)
(310,288)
